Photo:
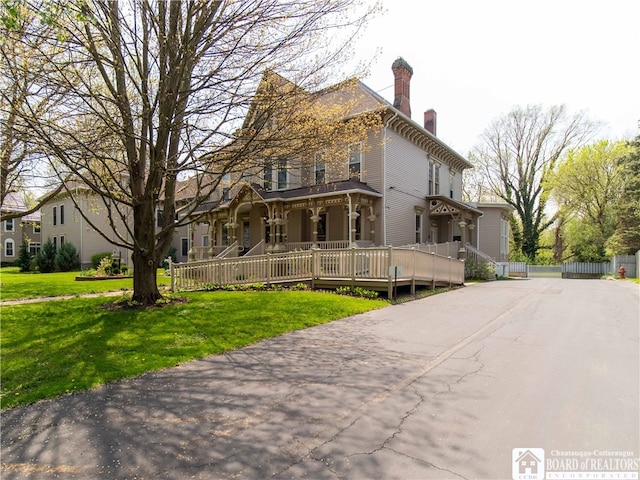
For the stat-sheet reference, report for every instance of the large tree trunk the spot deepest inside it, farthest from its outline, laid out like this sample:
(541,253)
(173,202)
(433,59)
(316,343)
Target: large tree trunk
(145,285)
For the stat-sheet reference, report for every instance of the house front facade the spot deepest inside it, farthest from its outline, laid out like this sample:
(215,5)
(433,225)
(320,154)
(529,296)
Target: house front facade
(16,231)
(400,185)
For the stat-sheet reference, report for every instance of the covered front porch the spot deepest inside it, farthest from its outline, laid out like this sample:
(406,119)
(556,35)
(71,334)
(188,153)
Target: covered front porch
(256,221)
(451,220)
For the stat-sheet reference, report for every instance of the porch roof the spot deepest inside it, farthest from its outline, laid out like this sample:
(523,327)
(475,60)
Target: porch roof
(324,190)
(441,205)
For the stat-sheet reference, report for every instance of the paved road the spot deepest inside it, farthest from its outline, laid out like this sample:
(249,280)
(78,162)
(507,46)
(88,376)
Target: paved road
(444,387)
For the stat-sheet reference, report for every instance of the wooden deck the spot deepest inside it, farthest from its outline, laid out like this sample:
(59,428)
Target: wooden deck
(377,269)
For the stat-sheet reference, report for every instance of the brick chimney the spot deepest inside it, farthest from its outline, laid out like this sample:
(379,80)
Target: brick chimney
(430,117)
(402,73)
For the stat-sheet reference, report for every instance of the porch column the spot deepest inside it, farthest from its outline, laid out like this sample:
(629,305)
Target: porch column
(315,218)
(191,255)
(472,227)
(270,240)
(462,252)
(372,220)
(352,227)
(212,237)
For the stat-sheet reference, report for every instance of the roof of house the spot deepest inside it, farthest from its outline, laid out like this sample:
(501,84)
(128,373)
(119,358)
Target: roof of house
(323,190)
(13,203)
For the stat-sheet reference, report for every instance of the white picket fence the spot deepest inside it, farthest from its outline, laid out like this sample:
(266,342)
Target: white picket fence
(344,266)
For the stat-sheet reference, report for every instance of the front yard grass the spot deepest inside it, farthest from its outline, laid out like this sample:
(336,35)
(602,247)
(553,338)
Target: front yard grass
(63,346)
(15,285)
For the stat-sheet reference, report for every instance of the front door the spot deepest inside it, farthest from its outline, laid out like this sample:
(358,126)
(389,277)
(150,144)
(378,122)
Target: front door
(433,235)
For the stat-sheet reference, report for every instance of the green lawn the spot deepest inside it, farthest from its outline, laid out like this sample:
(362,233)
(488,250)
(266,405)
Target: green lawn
(61,346)
(15,285)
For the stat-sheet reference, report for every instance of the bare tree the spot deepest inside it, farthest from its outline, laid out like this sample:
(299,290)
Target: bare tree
(518,152)
(23,161)
(159,92)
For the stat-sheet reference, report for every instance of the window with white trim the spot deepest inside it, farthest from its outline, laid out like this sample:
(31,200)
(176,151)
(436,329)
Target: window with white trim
(9,247)
(9,225)
(34,248)
(504,237)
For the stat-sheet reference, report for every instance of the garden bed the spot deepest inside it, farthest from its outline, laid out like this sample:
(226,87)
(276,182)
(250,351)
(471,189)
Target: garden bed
(81,278)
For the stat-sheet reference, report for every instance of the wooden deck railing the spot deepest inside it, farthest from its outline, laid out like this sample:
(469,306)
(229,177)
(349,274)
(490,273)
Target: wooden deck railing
(339,265)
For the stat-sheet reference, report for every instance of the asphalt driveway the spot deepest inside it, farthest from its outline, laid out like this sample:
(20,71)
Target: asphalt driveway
(444,387)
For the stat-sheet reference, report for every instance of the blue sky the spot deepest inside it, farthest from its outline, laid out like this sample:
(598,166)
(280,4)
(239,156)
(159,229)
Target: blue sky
(474,60)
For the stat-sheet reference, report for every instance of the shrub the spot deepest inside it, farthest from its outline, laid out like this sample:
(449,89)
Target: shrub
(24,258)
(97,258)
(67,258)
(111,266)
(357,292)
(46,259)
(479,269)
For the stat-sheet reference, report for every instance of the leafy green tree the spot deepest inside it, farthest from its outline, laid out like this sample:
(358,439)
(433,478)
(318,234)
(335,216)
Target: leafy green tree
(518,152)
(587,187)
(46,258)
(24,258)
(626,239)
(67,258)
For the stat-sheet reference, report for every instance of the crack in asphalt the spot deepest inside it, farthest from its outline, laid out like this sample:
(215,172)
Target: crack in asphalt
(428,463)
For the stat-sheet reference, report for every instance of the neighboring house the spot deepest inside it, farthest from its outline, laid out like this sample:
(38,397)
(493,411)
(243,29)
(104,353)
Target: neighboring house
(18,230)
(62,222)
(494,230)
(402,185)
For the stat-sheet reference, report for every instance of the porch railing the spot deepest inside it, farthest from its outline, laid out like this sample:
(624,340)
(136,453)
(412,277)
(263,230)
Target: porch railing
(478,255)
(257,249)
(231,251)
(447,249)
(202,253)
(297,246)
(344,265)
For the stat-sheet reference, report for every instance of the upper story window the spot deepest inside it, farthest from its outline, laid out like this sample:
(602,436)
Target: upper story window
(55,215)
(225,194)
(434,178)
(8,225)
(36,228)
(267,176)
(355,161)
(282,174)
(320,170)
(452,178)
